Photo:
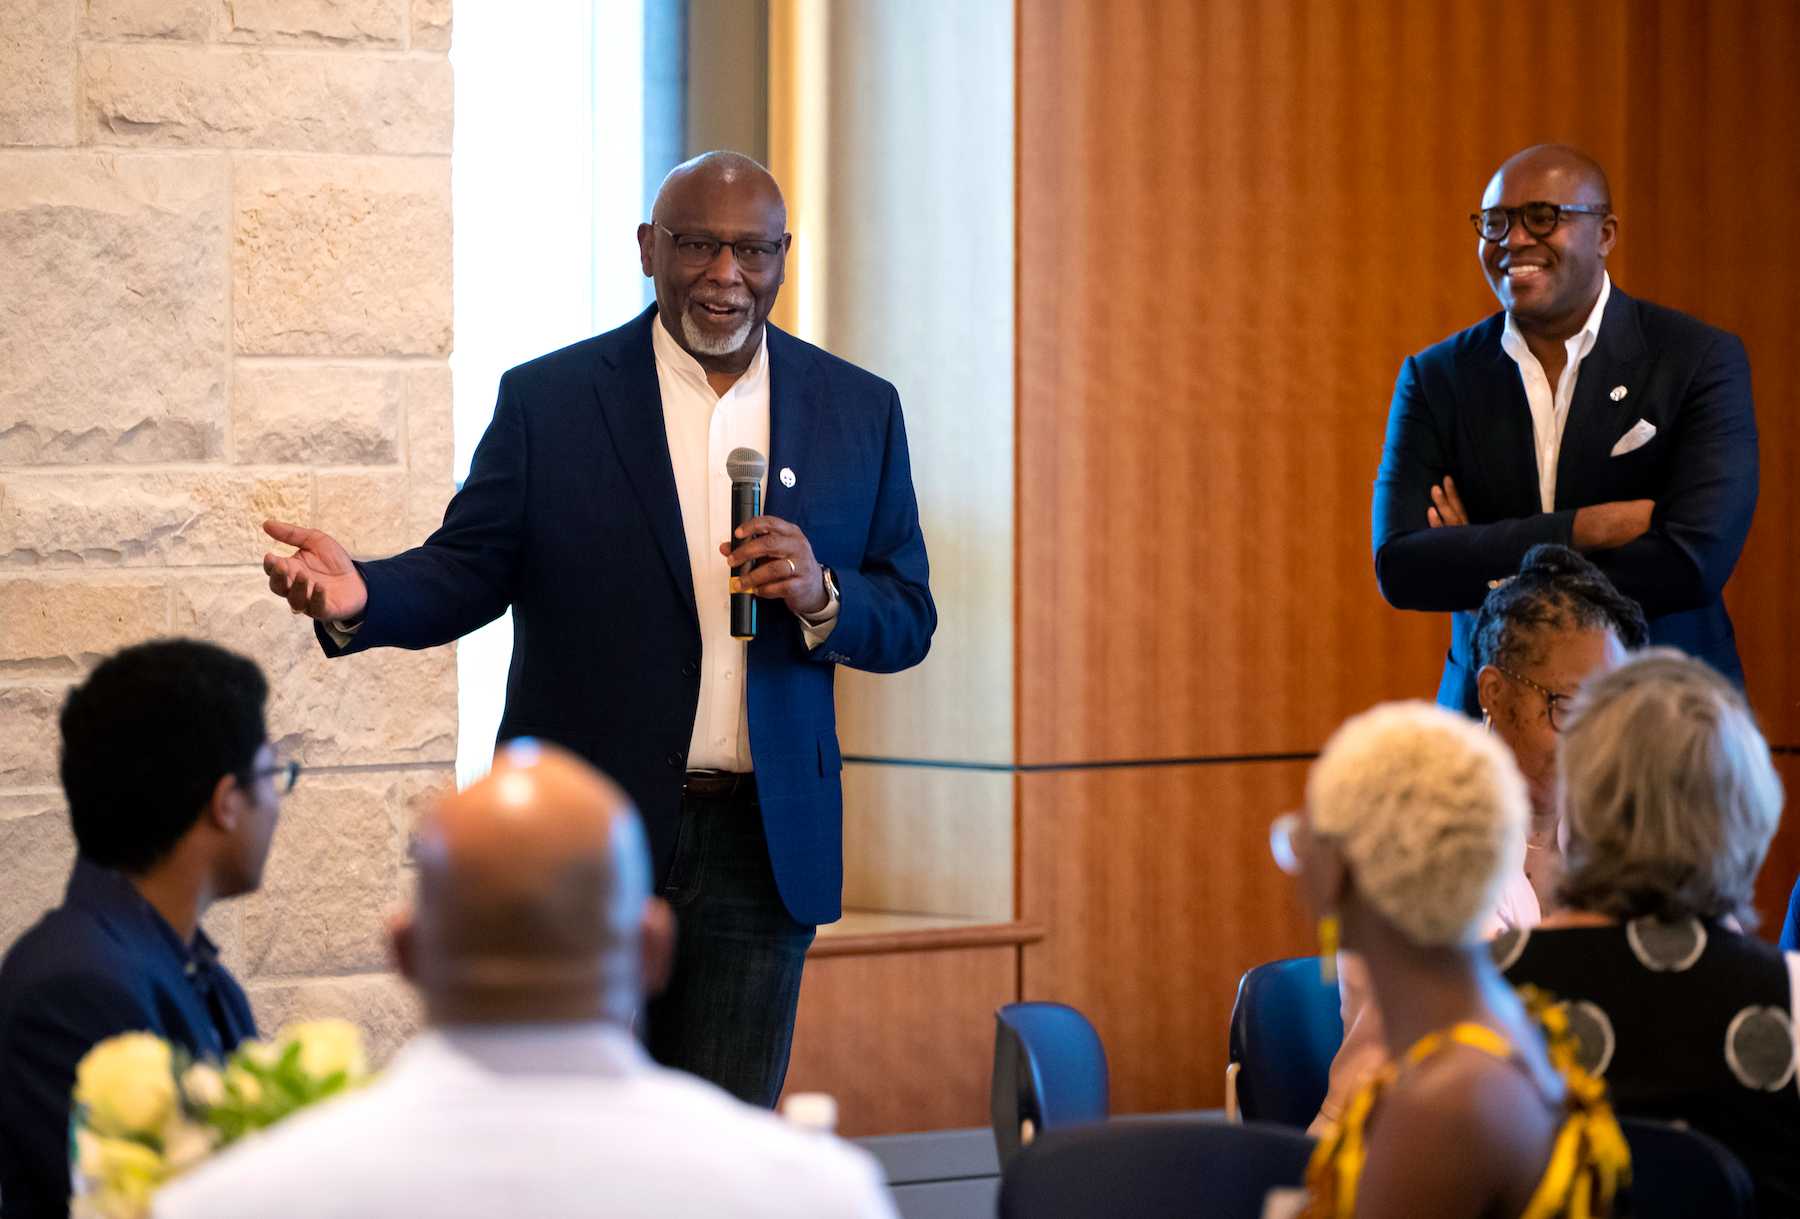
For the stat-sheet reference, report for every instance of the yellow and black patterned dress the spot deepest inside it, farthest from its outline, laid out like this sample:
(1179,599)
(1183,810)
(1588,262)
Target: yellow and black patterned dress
(1588,1165)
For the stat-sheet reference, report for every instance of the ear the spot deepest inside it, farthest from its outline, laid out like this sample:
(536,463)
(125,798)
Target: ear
(403,943)
(646,235)
(1609,234)
(1489,685)
(225,807)
(656,948)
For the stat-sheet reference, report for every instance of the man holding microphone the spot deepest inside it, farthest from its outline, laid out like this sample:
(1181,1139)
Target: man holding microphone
(594,508)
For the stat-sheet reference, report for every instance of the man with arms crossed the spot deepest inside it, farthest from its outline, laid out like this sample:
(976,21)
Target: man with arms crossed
(1579,416)
(596,506)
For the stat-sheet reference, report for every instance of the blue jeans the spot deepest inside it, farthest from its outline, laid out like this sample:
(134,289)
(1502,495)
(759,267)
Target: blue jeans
(727,1014)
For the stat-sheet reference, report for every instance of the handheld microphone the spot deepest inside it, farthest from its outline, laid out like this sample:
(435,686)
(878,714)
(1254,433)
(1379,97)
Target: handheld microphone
(746,468)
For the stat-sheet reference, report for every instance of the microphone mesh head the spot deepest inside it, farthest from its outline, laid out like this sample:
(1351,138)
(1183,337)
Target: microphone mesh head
(746,465)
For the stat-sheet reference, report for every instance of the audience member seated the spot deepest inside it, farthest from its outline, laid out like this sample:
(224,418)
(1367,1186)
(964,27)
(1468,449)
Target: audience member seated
(1669,802)
(1414,819)
(532,942)
(1537,637)
(173,790)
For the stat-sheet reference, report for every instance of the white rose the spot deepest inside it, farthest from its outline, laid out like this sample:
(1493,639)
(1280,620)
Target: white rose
(203,1085)
(327,1047)
(127,1085)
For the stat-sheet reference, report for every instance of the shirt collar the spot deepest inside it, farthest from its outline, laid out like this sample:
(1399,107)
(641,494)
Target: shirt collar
(1579,343)
(673,359)
(579,1047)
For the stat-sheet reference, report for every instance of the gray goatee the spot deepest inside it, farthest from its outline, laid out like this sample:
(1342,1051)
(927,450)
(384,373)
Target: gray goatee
(709,345)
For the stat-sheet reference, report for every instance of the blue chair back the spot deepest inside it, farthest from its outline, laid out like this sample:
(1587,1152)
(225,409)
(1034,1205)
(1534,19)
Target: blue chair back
(1677,1173)
(1151,1169)
(1049,1071)
(1286,1027)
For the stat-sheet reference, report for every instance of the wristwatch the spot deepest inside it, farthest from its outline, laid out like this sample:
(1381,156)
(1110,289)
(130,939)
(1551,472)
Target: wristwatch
(831,588)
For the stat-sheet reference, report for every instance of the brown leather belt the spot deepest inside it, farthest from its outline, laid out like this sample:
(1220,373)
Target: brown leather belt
(718,785)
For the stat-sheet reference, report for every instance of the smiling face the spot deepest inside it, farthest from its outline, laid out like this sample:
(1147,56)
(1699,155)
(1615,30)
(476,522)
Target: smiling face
(715,310)
(1549,284)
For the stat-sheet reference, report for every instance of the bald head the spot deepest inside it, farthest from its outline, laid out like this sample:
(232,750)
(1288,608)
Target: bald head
(687,187)
(532,893)
(1572,169)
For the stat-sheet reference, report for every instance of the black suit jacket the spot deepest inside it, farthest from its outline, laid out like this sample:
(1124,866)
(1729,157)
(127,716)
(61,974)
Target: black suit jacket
(1460,409)
(102,963)
(570,516)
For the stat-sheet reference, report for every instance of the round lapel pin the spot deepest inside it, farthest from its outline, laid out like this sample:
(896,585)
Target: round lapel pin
(1618,393)
(787,475)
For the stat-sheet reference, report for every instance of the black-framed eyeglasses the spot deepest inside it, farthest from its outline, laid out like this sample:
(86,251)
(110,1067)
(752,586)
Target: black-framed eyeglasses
(699,250)
(1556,705)
(1539,218)
(285,774)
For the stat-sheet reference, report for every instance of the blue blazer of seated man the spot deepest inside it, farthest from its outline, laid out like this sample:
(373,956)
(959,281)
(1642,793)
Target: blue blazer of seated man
(597,510)
(1580,416)
(173,793)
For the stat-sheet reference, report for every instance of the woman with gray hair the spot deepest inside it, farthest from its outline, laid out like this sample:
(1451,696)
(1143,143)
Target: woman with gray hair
(1669,801)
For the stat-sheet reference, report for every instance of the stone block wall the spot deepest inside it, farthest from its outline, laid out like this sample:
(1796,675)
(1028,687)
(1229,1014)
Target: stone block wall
(225,295)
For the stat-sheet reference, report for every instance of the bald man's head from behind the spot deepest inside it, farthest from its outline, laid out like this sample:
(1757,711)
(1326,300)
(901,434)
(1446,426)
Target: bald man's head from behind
(534,899)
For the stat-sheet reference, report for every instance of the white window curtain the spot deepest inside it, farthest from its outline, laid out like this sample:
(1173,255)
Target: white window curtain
(547,190)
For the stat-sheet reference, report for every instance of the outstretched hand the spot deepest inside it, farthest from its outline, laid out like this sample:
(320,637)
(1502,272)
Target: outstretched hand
(318,579)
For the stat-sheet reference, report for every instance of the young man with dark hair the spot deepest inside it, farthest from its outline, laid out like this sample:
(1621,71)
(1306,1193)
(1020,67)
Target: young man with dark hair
(173,791)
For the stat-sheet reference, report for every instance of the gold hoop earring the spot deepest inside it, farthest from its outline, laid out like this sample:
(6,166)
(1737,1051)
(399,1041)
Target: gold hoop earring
(1328,949)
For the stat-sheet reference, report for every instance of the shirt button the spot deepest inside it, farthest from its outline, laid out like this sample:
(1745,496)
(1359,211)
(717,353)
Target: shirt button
(677,759)
(720,742)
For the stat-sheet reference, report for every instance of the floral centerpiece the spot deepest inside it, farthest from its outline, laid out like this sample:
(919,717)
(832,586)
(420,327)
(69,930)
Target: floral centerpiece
(143,1114)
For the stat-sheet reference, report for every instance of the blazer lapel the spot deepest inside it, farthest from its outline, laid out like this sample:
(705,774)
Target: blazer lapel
(794,406)
(1502,426)
(630,401)
(1596,421)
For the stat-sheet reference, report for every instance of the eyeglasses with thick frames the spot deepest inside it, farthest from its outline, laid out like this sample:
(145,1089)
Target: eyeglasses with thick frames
(1555,705)
(699,250)
(1539,218)
(285,774)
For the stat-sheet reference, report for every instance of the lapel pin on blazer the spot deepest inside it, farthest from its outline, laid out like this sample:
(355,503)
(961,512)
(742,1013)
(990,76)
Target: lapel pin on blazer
(1618,393)
(787,476)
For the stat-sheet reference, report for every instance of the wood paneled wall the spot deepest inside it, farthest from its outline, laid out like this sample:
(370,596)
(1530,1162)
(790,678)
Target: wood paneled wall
(1236,218)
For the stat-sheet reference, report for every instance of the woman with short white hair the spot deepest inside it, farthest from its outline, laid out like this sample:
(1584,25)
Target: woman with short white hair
(1669,802)
(1414,818)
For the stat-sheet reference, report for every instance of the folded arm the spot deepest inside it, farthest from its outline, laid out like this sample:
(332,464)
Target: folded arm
(1440,569)
(1704,511)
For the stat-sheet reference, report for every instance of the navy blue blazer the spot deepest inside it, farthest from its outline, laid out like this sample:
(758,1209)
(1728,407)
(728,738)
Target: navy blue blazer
(570,516)
(102,963)
(1460,409)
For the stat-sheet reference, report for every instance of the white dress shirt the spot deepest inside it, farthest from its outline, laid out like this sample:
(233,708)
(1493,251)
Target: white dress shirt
(1550,411)
(527,1121)
(702,428)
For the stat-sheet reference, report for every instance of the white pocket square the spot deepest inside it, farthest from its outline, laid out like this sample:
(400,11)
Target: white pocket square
(1635,439)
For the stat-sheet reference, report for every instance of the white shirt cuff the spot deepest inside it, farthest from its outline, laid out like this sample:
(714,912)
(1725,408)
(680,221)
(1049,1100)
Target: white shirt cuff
(341,632)
(816,627)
